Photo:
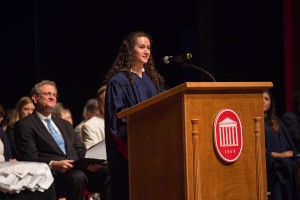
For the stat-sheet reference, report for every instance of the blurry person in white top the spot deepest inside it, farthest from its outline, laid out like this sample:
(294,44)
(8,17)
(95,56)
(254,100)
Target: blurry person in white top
(90,109)
(93,129)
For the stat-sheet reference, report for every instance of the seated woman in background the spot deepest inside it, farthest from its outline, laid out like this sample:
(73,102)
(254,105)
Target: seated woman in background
(281,167)
(23,108)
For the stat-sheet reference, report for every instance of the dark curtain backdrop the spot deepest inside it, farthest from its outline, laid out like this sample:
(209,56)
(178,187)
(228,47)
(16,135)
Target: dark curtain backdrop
(291,49)
(74,43)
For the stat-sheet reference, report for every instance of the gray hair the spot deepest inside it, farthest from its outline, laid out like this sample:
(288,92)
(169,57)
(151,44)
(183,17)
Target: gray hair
(36,87)
(91,106)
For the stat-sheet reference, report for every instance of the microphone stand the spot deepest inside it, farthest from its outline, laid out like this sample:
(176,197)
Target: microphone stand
(184,64)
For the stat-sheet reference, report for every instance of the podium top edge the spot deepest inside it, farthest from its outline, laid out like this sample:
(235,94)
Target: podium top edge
(200,87)
(229,85)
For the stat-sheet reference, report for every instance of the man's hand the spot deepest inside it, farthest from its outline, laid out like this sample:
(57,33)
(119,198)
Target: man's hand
(61,165)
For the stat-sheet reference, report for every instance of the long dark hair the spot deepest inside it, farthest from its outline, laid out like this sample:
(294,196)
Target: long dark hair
(270,115)
(125,61)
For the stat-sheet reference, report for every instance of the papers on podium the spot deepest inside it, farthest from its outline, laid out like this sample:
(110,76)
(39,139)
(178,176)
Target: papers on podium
(94,155)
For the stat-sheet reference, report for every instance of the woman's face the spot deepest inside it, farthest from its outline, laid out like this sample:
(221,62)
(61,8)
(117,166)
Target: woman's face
(142,50)
(267,101)
(26,110)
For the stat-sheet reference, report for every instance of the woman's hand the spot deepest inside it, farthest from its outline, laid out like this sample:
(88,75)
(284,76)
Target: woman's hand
(285,154)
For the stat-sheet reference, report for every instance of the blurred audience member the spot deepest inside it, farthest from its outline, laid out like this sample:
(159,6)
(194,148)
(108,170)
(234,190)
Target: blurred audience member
(63,113)
(5,150)
(93,129)
(292,120)
(2,113)
(23,108)
(3,121)
(57,109)
(66,114)
(281,171)
(90,109)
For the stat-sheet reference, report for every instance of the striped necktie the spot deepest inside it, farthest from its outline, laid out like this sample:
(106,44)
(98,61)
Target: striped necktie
(56,136)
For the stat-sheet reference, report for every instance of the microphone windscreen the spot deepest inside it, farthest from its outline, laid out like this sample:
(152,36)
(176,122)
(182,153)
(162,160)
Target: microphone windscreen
(166,60)
(188,56)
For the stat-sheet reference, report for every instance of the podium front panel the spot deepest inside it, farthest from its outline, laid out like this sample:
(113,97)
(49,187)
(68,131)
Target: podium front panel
(161,147)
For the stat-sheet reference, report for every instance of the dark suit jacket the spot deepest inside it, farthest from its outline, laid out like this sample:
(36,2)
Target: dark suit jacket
(35,143)
(292,123)
(6,144)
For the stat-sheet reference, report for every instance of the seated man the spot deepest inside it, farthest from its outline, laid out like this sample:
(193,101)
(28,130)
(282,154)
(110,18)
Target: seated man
(41,137)
(93,129)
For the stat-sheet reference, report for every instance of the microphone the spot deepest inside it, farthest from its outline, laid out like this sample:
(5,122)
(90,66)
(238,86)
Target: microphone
(181,58)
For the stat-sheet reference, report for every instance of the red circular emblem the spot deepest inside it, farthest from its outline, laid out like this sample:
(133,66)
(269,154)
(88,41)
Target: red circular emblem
(228,136)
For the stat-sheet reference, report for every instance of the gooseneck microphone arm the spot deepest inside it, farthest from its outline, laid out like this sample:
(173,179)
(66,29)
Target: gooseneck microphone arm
(183,64)
(180,59)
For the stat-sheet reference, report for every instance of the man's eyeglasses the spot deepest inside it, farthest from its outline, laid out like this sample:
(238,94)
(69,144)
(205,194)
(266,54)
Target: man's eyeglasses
(48,94)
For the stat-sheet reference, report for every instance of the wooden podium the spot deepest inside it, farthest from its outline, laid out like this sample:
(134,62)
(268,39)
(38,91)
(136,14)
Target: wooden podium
(171,148)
